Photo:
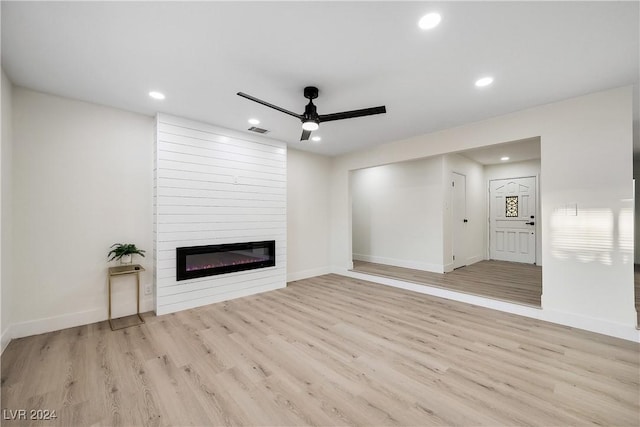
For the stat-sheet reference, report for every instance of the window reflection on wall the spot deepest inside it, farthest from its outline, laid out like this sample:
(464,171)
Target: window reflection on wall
(586,237)
(625,234)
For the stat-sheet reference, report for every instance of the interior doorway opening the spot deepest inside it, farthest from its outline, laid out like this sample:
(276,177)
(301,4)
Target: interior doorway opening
(427,221)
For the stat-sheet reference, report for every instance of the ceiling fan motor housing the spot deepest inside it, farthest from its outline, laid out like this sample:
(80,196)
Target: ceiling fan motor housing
(311,92)
(310,113)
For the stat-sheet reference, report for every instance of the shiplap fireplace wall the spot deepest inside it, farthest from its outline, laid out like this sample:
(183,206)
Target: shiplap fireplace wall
(215,186)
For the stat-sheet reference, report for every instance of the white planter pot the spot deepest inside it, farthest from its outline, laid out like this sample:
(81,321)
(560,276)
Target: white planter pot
(126,259)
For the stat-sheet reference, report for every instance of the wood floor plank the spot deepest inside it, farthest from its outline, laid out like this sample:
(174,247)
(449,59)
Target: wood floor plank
(506,281)
(326,351)
(636,282)
(212,396)
(177,403)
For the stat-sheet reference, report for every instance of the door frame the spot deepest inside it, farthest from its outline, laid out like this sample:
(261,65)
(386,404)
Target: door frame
(538,226)
(453,222)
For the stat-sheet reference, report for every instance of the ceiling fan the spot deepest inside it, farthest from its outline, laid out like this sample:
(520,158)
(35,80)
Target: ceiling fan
(310,118)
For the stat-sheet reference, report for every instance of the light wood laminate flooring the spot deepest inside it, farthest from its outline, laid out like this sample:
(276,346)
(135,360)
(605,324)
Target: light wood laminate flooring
(506,281)
(636,282)
(329,350)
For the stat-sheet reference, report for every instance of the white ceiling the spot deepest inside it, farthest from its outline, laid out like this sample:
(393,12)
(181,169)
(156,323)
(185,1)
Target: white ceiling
(359,54)
(516,151)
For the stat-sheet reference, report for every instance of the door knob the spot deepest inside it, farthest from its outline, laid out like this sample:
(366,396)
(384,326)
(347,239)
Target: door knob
(530,223)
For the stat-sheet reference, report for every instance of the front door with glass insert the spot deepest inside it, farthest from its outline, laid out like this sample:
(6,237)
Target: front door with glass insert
(512,231)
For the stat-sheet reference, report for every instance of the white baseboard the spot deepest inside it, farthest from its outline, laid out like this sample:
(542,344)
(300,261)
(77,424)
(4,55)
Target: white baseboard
(601,326)
(626,332)
(6,338)
(305,274)
(416,265)
(70,320)
(55,323)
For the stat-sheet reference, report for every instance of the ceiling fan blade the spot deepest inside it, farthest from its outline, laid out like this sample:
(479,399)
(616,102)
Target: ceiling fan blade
(267,104)
(352,114)
(305,135)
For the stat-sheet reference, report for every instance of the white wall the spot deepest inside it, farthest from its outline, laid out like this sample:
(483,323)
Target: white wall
(586,156)
(516,170)
(308,213)
(587,162)
(216,186)
(476,229)
(636,176)
(82,181)
(397,214)
(6,225)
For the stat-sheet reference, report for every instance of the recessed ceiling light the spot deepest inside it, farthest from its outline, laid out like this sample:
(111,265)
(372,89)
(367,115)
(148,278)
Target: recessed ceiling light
(254,121)
(504,159)
(156,95)
(316,138)
(429,21)
(484,81)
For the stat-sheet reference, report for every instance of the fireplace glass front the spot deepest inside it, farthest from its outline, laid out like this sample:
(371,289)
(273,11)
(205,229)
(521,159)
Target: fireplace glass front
(201,261)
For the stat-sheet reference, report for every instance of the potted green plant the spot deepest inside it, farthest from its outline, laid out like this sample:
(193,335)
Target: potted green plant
(123,252)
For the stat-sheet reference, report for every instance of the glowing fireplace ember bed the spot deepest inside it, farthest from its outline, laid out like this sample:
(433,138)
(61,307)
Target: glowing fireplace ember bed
(211,260)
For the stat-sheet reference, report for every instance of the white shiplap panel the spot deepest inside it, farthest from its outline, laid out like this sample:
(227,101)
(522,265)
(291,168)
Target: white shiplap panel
(223,280)
(234,162)
(265,187)
(169,145)
(173,143)
(246,235)
(163,307)
(205,219)
(236,203)
(219,194)
(211,134)
(190,227)
(220,175)
(167,279)
(175,165)
(189,294)
(218,210)
(215,186)
(231,165)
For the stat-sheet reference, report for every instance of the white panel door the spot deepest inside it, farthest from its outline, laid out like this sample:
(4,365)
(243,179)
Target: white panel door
(512,231)
(459,219)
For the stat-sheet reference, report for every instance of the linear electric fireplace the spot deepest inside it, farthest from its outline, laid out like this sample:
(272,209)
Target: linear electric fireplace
(201,261)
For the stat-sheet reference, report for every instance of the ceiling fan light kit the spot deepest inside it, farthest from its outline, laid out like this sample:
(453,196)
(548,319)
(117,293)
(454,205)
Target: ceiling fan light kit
(310,118)
(310,125)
